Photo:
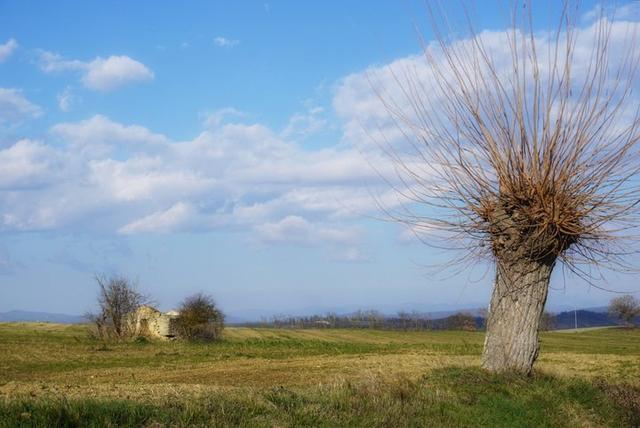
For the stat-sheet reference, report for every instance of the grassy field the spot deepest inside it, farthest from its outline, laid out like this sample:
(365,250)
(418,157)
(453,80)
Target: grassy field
(55,375)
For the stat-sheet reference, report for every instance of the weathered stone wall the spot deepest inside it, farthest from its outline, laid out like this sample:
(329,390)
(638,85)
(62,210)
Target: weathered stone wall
(148,321)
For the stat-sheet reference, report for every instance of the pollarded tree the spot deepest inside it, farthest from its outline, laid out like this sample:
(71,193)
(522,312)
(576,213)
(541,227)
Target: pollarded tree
(521,147)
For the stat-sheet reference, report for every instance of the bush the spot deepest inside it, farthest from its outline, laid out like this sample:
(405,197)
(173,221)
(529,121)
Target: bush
(118,300)
(200,318)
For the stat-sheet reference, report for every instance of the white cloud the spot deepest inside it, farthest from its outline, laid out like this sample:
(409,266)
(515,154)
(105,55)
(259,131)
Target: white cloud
(335,202)
(114,177)
(114,72)
(146,181)
(125,178)
(216,118)
(101,129)
(15,108)
(224,42)
(65,99)
(364,100)
(629,11)
(161,221)
(27,164)
(53,63)
(7,49)
(100,136)
(100,74)
(295,229)
(302,125)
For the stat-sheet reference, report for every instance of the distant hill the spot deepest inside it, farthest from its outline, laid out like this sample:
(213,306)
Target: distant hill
(29,316)
(585,318)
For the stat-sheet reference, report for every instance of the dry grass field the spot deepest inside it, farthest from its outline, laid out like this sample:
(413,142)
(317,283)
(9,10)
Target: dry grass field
(273,377)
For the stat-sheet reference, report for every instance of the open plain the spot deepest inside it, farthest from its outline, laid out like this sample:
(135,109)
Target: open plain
(56,374)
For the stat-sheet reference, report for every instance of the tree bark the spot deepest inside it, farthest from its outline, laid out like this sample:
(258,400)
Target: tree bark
(518,299)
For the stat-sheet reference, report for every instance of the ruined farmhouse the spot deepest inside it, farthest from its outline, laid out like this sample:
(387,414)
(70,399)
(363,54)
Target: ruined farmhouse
(148,321)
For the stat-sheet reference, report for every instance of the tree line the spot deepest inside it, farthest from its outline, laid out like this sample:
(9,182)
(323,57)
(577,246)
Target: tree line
(373,319)
(623,310)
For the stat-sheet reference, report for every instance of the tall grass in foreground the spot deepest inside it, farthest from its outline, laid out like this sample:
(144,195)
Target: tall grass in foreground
(445,397)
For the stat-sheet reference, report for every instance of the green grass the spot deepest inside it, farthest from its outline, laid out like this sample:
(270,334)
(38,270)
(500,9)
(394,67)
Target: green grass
(53,375)
(445,397)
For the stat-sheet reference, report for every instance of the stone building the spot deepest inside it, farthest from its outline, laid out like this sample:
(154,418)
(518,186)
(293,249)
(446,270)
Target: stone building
(148,321)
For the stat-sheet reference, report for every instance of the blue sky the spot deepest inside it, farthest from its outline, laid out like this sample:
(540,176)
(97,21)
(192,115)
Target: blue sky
(216,147)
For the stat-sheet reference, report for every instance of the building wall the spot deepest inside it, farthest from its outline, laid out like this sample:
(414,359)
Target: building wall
(149,321)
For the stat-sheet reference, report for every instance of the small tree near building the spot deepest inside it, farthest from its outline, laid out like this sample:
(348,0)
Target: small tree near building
(118,299)
(200,318)
(625,308)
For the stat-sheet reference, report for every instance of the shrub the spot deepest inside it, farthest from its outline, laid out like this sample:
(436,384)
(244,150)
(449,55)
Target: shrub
(200,318)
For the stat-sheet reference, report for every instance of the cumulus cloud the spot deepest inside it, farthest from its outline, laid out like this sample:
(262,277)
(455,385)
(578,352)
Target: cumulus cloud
(146,181)
(124,178)
(364,99)
(7,49)
(162,221)
(100,136)
(26,164)
(113,72)
(100,74)
(101,129)
(224,42)
(15,108)
(295,229)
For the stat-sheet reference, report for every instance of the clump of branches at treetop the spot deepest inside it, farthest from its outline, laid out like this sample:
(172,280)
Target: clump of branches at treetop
(534,152)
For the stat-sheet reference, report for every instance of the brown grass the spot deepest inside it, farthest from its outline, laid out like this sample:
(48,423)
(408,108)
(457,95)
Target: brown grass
(53,360)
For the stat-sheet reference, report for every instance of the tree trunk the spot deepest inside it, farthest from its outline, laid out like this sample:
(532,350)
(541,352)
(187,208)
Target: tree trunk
(517,303)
